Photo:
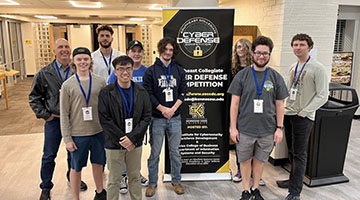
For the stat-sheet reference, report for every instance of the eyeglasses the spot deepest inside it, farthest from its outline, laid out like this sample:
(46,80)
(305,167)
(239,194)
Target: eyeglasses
(122,70)
(258,53)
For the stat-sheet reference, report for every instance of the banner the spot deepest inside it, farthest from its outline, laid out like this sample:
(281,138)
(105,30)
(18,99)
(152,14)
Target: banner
(205,39)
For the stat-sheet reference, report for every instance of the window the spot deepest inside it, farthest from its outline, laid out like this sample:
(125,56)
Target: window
(339,36)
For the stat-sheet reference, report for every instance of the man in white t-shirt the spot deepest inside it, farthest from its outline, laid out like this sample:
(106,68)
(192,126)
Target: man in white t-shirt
(105,54)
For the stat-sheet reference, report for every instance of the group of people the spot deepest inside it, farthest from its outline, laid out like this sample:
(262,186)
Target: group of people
(259,113)
(103,102)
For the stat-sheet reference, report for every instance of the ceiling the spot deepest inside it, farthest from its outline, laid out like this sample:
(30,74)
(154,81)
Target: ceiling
(111,11)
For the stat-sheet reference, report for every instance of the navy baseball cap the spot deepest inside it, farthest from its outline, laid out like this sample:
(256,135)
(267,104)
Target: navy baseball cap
(135,43)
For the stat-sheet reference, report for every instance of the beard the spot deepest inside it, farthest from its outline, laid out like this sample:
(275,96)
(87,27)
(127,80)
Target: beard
(105,46)
(261,65)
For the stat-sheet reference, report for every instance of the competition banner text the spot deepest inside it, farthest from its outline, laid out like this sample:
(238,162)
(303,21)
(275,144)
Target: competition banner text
(205,39)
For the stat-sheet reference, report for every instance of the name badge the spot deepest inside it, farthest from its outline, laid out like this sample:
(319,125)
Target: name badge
(293,92)
(258,105)
(128,125)
(87,113)
(169,95)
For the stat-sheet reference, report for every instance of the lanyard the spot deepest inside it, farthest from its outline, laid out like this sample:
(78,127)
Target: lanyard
(297,80)
(259,90)
(58,70)
(82,89)
(166,74)
(127,107)
(108,65)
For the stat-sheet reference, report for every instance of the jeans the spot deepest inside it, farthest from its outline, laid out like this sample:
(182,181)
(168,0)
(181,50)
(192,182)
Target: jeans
(158,128)
(297,133)
(52,139)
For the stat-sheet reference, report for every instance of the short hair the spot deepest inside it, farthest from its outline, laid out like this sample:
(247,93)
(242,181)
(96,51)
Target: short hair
(303,37)
(104,28)
(165,41)
(122,60)
(262,40)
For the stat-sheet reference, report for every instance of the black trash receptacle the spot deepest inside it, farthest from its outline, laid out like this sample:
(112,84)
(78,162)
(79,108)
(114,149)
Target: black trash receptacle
(329,138)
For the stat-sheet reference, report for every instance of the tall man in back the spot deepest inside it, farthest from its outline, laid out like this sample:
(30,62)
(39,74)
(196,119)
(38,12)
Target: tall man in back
(166,85)
(309,87)
(44,101)
(256,115)
(105,54)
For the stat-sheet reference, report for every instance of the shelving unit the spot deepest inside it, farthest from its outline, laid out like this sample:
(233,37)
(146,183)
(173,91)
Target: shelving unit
(146,40)
(43,57)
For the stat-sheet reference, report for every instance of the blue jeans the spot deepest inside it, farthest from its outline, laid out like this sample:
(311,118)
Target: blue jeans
(158,128)
(297,132)
(52,139)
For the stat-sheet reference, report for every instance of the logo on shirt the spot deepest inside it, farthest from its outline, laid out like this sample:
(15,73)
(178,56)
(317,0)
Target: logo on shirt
(197,110)
(198,38)
(268,85)
(163,82)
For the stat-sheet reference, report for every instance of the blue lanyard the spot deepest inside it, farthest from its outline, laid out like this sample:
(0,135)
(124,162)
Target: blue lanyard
(82,89)
(127,107)
(297,80)
(259,90)
(108,65)
(58,70)
(166,74)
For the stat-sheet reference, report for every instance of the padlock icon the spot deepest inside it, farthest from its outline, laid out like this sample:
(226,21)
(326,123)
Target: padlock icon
(197,51)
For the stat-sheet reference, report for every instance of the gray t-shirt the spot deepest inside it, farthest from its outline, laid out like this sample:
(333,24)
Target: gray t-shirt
(243,85)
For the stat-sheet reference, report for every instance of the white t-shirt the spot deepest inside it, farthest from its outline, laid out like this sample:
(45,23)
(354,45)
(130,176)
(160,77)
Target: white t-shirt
(100,67)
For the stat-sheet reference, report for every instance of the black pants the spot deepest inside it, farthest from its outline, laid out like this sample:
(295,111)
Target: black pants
(297,133)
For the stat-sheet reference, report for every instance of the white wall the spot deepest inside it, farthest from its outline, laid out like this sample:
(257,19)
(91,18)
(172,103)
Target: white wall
(79,36)
(30,47)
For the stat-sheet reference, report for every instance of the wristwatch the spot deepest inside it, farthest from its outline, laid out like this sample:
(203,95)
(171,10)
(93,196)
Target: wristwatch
(280,127)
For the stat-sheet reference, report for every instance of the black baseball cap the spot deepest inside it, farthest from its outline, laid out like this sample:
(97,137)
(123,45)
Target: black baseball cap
(135,43)
(81,50)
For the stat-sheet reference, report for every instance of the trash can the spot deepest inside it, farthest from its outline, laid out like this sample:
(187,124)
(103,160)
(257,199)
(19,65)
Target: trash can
(329,138)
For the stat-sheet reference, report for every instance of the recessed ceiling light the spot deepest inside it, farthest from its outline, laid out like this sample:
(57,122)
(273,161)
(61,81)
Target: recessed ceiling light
(153,7)
(45,17)
(11,3)
(85,4)
(137,19)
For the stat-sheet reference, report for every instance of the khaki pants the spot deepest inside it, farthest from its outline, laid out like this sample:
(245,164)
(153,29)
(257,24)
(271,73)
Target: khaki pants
(115,160)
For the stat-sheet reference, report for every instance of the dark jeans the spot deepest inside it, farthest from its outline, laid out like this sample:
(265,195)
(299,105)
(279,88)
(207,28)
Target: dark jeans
(52,141)
(297,132)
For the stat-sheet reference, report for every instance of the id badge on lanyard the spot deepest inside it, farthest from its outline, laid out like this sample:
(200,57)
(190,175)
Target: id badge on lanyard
(169,95)
(87,113)
(128,125)
(258,105)
(293,92)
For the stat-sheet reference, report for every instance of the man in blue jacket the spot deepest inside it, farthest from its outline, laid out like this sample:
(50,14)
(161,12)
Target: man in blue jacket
(166,85)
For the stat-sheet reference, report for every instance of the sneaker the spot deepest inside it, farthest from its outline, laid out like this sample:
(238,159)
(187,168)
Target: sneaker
(83,186)
(292,197)
(262,182)
(245,195)
(150,191)
(237,178)
(124,185)
(45,195)
(144,181)
(283,183)
(101,195)
(178,188)
(256,194)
